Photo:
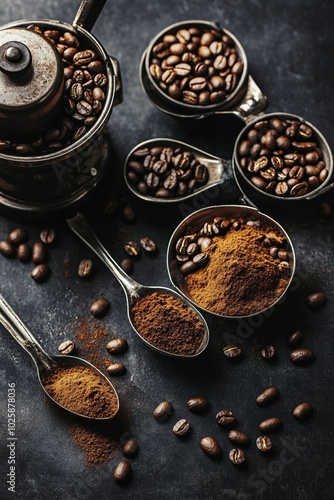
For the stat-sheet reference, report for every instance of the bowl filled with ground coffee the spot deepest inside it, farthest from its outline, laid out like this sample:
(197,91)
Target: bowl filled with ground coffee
(58,88)
(195,68)
(231,260)
(281,158)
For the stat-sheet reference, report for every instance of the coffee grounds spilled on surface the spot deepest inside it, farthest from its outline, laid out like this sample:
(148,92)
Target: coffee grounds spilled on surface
(241,276)
(81,390)
(168,323)
(98,446)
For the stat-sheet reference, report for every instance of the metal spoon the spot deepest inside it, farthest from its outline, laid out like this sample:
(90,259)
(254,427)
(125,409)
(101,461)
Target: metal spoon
(44,362)
(220,170)
(133,290)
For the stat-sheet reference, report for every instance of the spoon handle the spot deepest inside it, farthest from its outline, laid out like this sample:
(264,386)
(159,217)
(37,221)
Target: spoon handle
(81,228)
(12,323)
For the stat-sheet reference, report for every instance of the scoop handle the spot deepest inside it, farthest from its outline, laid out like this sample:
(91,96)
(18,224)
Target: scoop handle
(81,228)
(13,324)
(87,14)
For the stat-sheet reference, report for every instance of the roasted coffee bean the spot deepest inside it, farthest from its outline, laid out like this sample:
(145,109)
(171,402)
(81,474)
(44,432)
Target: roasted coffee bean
(127,265)
(232,351)
(237,456)
(163,411)
(238,437)
(264,443)
(198,405)
(268,352)
(302,411)
(182,427)
(132,248)
(225,417)
(85,268)
(66,347)
(47,236)
(117,345)
(148,245)
(40,272)
(7,248)
(17,235)
(294,339)
(302,356)
(316,300)
(23,252)
(128,214)
(123,473)
(211,447)
(267,396)
(269,425)
(131,448)
(277,163)
(100,307)
(116,369)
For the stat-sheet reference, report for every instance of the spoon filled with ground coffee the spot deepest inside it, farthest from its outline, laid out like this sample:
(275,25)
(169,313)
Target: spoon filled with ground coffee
(71,382)
(161,317)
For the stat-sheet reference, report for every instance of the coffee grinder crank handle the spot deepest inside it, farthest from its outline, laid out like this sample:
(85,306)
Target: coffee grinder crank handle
(87,14)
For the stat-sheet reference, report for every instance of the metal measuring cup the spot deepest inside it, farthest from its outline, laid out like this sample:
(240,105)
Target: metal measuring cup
(244,102)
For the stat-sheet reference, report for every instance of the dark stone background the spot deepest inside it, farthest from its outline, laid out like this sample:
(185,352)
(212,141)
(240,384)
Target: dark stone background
(290,51)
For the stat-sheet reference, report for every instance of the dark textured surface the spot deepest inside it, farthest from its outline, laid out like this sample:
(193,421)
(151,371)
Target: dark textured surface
(289,47)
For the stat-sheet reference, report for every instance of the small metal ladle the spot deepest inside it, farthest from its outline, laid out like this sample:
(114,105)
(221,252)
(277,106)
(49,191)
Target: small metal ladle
(44,362)
(133,290)
(220,170)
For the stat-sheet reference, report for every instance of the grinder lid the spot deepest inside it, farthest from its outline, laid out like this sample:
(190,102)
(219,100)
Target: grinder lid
(31,71)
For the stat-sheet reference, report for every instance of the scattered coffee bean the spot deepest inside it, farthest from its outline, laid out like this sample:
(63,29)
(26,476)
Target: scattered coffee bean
(302,356)
(7,249)
(116,369)
(148,245)
(294,339)
(23,252)
(85,268)
(268,352)
(127,265)
(267,396)
(237,456)
(225,417)
(132,248)
(302,411)
(272,424)
(316,300)
(66,347)
(123,472)
(163,411)
(182,427)
(198,405)
(232,351)
(17,235)
(100,307)
(128,214)
(264,443)
(131,448)
(39,253)
(238,437)
(325,210)
(211,447)
(117,346)
(47,236)
(40,273)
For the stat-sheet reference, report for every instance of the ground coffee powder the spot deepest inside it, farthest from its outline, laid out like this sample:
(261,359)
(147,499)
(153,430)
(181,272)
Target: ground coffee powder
(168,323)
